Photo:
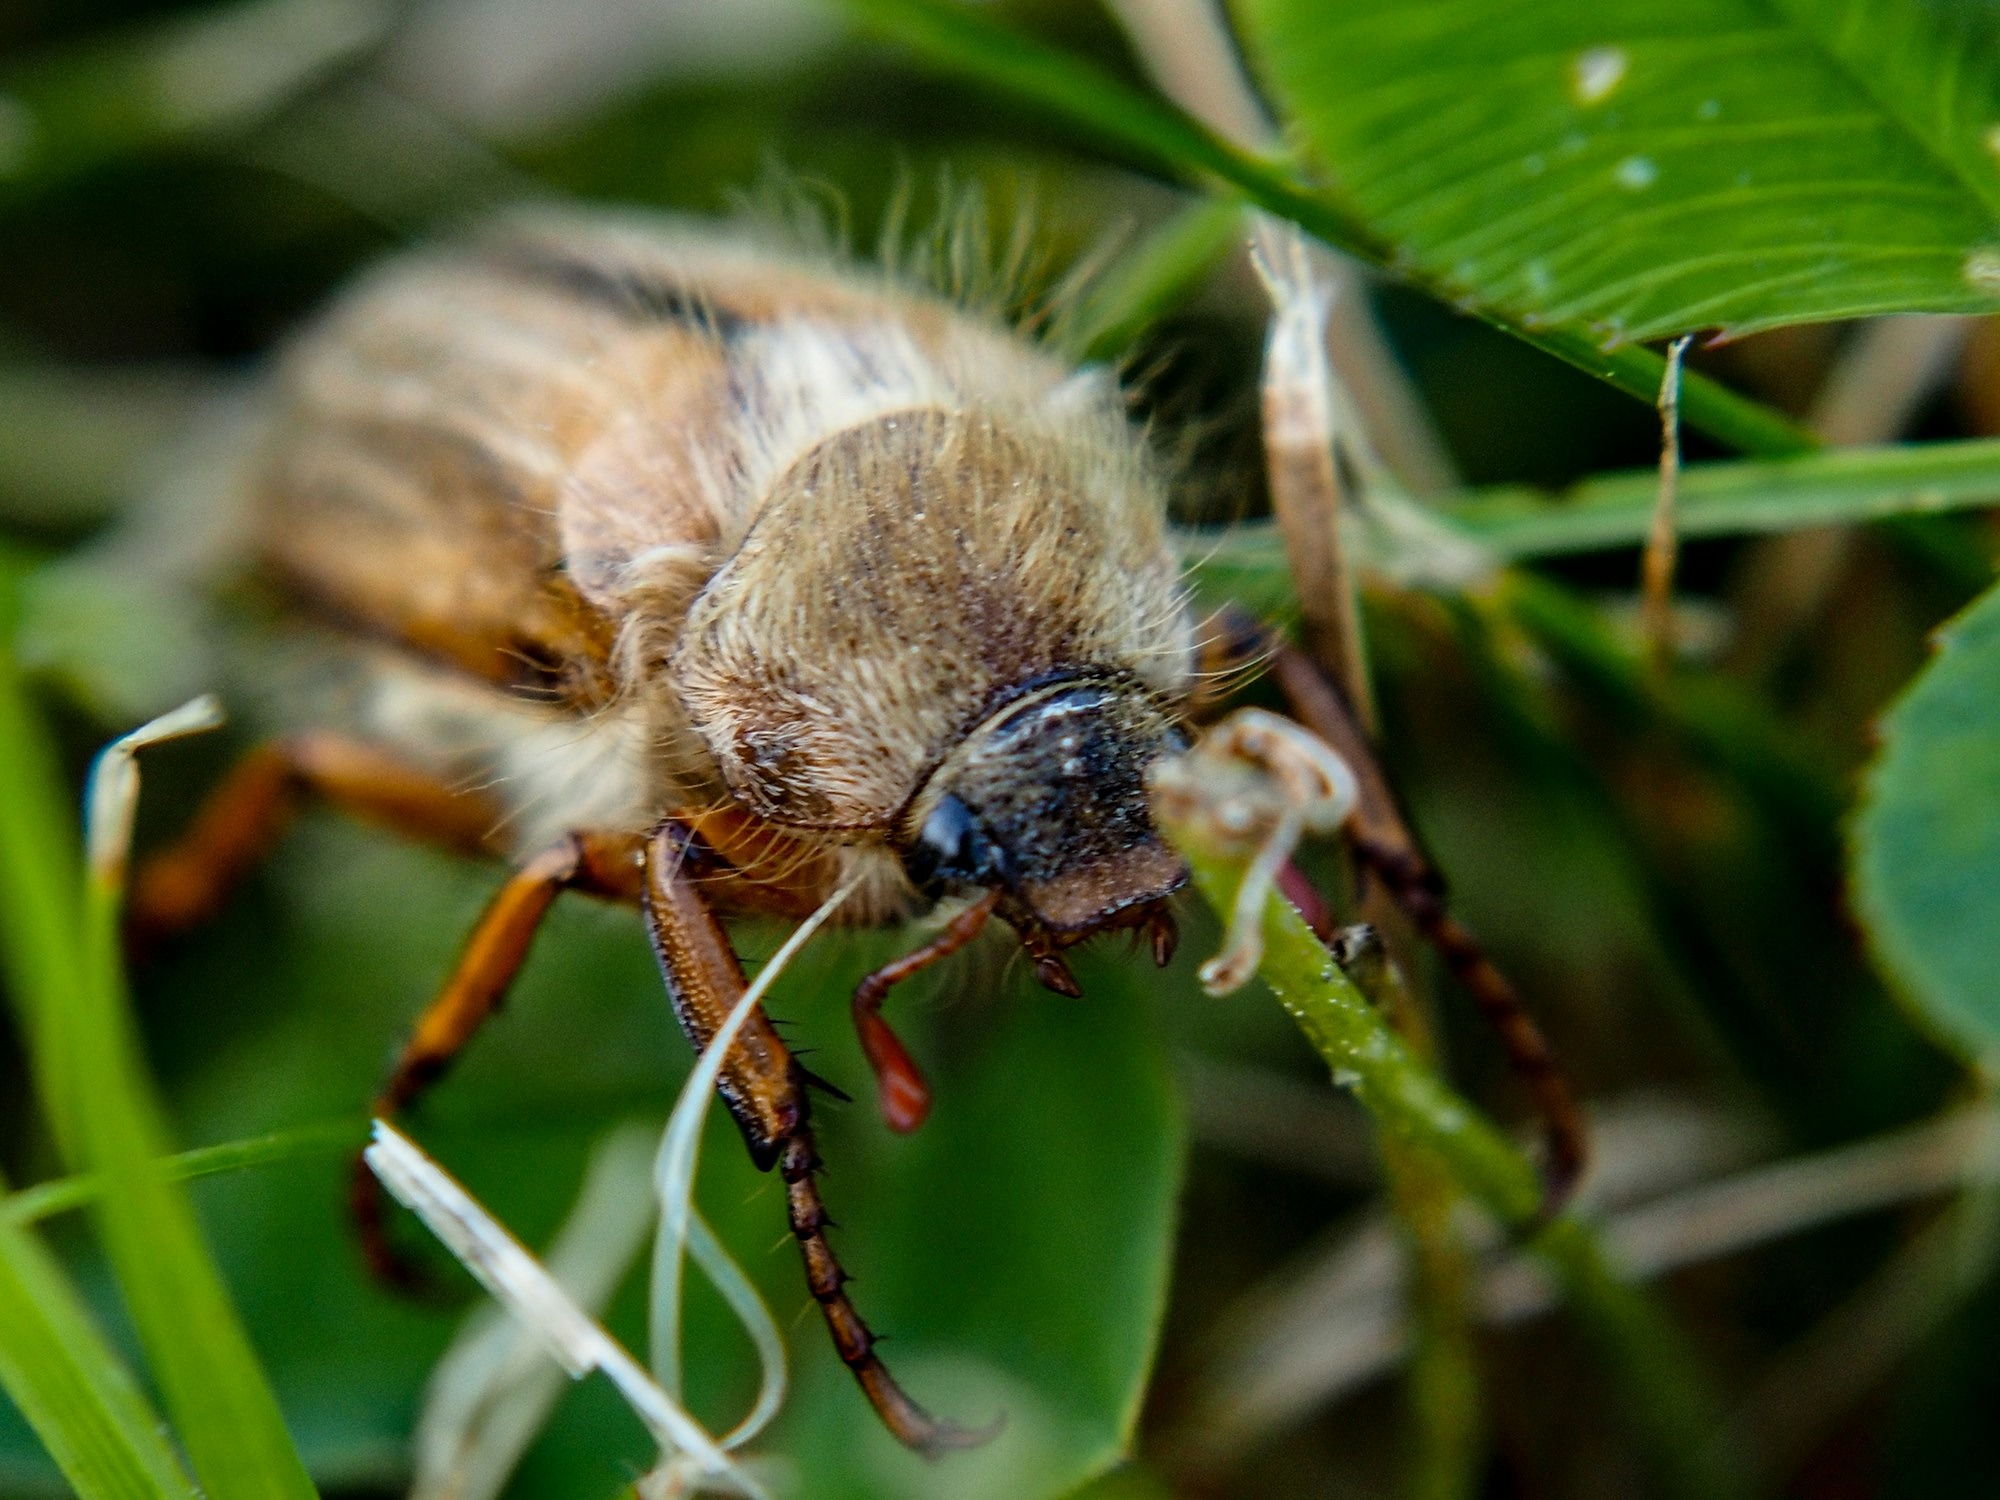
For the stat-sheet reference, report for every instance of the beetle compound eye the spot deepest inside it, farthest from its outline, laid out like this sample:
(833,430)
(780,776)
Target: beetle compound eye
(954,849)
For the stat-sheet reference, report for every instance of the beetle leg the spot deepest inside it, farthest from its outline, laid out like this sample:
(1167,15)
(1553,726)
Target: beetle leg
(1387,848)
(188,881)
(764,1088)
(899,1084)
(599,864)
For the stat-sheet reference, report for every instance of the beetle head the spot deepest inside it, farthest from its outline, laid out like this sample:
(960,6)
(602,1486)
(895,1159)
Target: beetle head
(1046,801)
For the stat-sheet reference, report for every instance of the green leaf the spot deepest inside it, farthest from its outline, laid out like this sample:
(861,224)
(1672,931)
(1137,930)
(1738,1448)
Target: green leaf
(1926,858)
(1015,1250)
(1120,116)
(1642,167)
(80,1400)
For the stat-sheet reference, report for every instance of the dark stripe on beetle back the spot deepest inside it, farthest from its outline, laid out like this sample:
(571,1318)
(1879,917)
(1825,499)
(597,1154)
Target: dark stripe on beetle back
(634,295)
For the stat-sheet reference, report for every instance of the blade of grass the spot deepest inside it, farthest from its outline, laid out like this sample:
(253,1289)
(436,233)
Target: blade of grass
(1911,487)
(74,1392)
(1113,112)
(66,1194)
(1753,497)
(524,1287)
(40,874)
(63,964)
(208,1373)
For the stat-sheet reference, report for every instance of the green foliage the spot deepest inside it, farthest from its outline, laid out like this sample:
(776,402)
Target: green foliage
(1666,1394)
(79,108)
(1754,497)
(1115,115)
(81,1401)
(1644,167)
(1927,840)
(1014,1252)
(107,1120)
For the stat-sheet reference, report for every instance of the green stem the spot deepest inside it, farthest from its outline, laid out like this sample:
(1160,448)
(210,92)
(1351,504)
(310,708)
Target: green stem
(1446,1412)
(1448,1429)
(1667,1395)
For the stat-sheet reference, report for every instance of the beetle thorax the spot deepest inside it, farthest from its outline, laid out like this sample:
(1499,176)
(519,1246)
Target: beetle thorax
(900,584)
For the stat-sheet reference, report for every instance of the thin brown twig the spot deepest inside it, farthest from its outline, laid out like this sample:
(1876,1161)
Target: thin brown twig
(1299,445)
(1663,540)
(1187,48)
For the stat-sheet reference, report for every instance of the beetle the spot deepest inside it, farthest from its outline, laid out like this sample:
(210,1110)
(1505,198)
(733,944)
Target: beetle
(711,578)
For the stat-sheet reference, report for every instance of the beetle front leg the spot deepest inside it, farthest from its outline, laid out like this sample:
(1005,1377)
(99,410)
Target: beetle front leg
(765,1089)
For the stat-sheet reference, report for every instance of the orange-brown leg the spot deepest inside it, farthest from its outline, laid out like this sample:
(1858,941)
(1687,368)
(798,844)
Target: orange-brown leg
(599,864)
(899,1083)
(765,1090)
(186,883)
(1388,849)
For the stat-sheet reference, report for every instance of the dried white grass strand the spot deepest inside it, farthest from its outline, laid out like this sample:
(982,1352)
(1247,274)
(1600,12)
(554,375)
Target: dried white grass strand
(114,784)
(521,1284)
(728,1279)
(495,1387)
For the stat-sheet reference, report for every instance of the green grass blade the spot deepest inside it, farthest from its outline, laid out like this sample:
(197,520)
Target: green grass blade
(1739,499)
(40,873)
(45,1200)
(109,1123)
(1117,115)
(1748,497)
(76,1395)
(214,1387)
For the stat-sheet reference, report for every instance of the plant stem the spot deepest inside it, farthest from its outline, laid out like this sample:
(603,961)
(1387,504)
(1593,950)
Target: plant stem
(1446,1411)
(1667,1394)
(1448,1430)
